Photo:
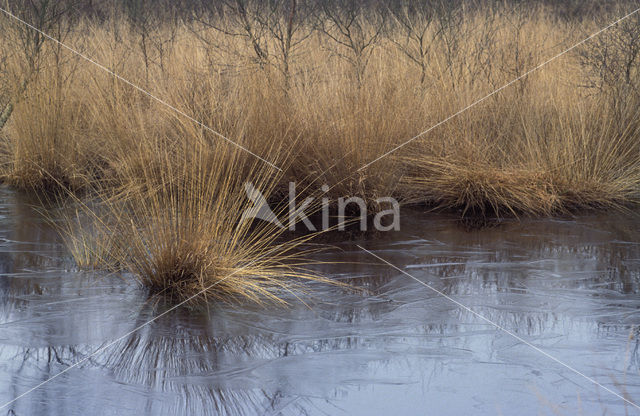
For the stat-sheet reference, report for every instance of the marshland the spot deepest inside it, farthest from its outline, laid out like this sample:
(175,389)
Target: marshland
(319,207)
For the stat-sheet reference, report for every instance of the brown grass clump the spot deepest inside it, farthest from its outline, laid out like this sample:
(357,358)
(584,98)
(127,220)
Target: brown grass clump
(182,233)
(480,189)
(47,146)
(568,163)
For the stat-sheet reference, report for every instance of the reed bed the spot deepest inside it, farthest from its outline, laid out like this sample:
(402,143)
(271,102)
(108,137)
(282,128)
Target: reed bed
(321,104)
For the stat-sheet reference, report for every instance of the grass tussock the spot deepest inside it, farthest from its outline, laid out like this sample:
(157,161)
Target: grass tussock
(180,232)
(47,146)
(569,163)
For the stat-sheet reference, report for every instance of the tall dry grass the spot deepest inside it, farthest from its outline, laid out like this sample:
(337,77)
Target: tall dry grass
(556,141)
(78,124)
(179,230)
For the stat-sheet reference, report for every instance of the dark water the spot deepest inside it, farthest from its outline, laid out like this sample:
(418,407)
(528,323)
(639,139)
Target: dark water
(570,287)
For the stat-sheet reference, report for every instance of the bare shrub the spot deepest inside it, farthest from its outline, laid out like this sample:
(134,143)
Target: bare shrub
(613,60)
(272,31)
(354,26)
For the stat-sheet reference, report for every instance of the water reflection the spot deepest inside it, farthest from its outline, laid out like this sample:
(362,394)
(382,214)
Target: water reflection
(567,286)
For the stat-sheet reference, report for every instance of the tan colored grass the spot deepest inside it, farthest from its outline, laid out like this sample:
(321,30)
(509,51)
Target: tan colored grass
(77,124)
(47,144)
(171,192)
(179,230)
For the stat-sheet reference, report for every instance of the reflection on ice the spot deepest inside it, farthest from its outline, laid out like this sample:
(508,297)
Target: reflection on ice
(569,287)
